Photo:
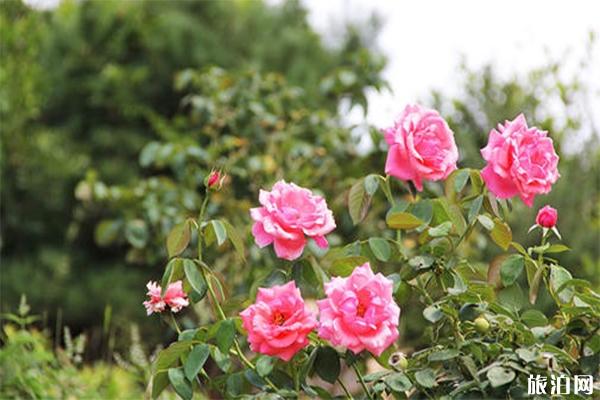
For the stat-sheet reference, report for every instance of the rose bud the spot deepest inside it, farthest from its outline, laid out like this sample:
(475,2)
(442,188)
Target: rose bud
(547,217)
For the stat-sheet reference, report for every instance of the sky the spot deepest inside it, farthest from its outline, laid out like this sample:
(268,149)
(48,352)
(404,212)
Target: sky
(425,40)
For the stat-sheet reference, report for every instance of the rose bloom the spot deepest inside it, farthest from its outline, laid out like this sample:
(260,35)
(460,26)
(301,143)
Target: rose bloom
(155,303)
(279,322)
(288,213)
(359,312)
(421,146)
(547,217)
(520,161)
(174,297)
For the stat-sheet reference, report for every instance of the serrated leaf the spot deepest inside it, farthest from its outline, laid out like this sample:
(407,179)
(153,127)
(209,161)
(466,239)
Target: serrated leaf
(380,248)
(178,239)
(181,385)
(534,285)
(173,272)
(327,364)
(403,220)
(511,268)
(195,278)
(501,234)
(196,360)
(358,201)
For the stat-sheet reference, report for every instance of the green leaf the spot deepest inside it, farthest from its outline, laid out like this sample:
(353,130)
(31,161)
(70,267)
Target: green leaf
(398,382)
(234,238)
(441,230)
(460,180)
(511,268)
(225,335)
(426,378)
(195,361)
(433,313)
(557,248)
(344,266)
(403,220)
(219,230)
(178,239)
(443,355)
(358,201)
(475,208)
(181,385)
(169,356)
(221,359)
(486,222)
(499,376)
(371,184)
(501,234)
(380,248)
(264,365)
(173,272)
(195,278)
(534,285)
(234,384)
(423,210)
(558,276)
(327,364)
(160,380)
(533,318)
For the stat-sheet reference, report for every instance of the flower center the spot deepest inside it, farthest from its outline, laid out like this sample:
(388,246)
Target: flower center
(360,310)
(278,318)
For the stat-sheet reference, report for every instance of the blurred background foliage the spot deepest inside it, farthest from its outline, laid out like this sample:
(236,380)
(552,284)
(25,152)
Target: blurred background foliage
(114,112)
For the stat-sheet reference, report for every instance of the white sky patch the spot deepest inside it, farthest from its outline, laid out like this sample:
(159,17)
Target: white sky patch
(425,40)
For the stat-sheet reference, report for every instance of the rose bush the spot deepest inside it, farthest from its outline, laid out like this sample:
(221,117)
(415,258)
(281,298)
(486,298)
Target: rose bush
(482,342)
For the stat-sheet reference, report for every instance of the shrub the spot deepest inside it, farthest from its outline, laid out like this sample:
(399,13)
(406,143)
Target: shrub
(480,340)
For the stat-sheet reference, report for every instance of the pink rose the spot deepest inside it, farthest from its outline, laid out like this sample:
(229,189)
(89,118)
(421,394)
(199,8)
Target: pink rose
(279,322)
(547,217)
(288,213)
(421,146)
(520,161)
(155,303)
(174,297)
(359,312)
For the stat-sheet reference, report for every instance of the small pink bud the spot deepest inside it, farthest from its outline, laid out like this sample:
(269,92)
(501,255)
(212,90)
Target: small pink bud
(547,217)
(213,178)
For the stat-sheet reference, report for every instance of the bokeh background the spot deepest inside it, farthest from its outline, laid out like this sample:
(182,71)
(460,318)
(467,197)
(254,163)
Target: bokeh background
(113,112)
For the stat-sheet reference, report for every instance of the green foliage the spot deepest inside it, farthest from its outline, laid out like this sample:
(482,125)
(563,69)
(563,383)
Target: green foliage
(29,368)
(101,91)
